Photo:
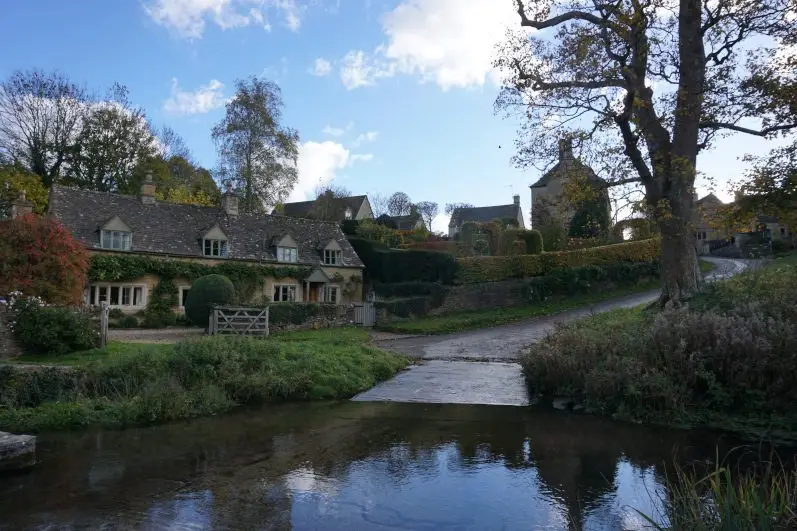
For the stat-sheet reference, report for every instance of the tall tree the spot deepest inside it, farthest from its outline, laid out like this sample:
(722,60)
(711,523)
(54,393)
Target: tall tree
(256,152)
(40,115)
(428,210)
(113,139)
(647,84)
(328,205)
(378,204)
(399,204)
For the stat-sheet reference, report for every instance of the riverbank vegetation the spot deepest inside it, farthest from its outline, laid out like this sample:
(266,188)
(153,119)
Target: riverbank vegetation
(143,384)
(728,360)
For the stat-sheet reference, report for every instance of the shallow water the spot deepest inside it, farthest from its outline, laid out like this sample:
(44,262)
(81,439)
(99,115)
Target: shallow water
(354,466)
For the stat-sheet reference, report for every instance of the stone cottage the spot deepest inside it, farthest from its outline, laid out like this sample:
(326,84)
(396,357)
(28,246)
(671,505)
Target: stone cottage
(548,199)
(116,224)
(460,216)
(331,208)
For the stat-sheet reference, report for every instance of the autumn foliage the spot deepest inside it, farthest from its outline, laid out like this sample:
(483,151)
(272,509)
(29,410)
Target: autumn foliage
(39,257)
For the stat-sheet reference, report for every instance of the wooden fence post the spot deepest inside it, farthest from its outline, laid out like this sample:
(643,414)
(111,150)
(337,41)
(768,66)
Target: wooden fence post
(104,310)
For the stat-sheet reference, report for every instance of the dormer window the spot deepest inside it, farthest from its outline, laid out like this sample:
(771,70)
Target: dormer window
(287,250)
(332,257)
(287,254)
(214,243)
(348,213)
(116,235)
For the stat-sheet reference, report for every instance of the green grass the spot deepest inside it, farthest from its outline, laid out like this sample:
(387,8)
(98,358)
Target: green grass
(706,266)
(445,324)
(112,350)
(135,384)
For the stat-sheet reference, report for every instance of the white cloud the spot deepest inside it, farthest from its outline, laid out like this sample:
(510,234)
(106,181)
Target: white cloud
(333,131)
(205,99)
(187,18)
(449,42)
(362,138)
(365,157)
(321,67)
(319,163)
(359,69)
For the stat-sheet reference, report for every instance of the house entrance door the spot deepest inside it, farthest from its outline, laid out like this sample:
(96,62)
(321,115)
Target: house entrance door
(315,290)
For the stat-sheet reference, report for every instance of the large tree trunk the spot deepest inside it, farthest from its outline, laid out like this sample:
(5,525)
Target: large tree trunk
(681,273)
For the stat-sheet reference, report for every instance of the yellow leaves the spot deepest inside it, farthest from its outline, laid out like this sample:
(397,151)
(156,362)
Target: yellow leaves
(14,180)
(181,194)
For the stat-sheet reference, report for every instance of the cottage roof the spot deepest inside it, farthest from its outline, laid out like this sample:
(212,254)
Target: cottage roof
(567,165)
(177,229)
(303,209)
(484,214)
(407,222)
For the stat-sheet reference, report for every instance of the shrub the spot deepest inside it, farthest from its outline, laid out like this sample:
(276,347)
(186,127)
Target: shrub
(379,233)
(205,292)
(494,268)
(115,313)
(51,330)
(533,240)
(781,246)
(128,321)
(159,313)
(406,307)
(411,289)
(298,313)
(586,279)
(405,265)
(40,257)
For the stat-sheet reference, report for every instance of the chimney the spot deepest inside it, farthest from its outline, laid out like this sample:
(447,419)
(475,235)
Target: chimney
(566,149)
(148,190)
(21,206)
(229,201)
(516,199)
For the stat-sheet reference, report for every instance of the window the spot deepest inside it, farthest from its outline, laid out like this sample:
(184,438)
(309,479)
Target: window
(331,257)
(704,235)
(117,295)
(116,239)
(215,248)
(331,294)
(184,295)
(782,231)
(348,213)
(284,293)
(287,254)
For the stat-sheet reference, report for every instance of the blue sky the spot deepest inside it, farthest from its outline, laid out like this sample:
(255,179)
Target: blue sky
(386,95)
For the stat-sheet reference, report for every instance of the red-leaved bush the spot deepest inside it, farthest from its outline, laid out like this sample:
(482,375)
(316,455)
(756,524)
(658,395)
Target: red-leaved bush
(39,257)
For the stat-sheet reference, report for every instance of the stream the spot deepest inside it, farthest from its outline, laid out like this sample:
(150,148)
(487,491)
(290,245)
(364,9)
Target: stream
(356,466)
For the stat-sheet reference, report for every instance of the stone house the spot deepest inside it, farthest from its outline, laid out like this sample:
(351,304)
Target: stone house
(548,199)
(460,216)
(335,208)
(116,224)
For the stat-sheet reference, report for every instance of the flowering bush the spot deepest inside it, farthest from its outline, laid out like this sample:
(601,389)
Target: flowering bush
(40,257)
(50,330)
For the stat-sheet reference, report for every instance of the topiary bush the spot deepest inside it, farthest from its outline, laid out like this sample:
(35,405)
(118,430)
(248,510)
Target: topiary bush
(205,292)
(51,330)
(533,239)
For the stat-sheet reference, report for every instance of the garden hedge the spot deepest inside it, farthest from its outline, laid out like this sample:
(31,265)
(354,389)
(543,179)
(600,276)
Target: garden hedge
(205,292)
(405,265)
(494,268)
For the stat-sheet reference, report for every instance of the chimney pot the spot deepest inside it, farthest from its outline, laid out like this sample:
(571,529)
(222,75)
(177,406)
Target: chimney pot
(516,199)
(21,206)
(566,149)
(229,201)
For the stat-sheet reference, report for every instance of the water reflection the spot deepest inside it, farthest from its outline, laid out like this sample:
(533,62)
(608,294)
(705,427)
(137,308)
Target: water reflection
(353,466)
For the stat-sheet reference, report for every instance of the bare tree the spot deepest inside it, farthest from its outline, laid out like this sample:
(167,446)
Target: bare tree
(399,204)
(428,210)
(378,204)
(644,85)
(173,145)
(256,152)
(451,207)
(40,116)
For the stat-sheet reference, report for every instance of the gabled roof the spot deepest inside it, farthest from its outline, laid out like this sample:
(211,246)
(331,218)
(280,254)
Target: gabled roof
(176,229)
(567,165)
(407,222)
(710,198)
(483,214)
(303,209)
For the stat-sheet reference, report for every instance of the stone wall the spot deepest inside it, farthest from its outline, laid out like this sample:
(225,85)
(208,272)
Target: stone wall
(482,296)
(8,347)
(344,317)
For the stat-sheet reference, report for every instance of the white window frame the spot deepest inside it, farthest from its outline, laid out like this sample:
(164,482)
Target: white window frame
(332,288)
(92,296)
(123,238)
(348,214)
(335,255)
(288,254)
(180,301)
(278,293)
(218,248)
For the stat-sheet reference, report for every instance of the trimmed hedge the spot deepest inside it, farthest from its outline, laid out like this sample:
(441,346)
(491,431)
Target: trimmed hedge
(405,265)
(407,307)
(297,313)
(533,239)
(575,280)
(493,268)
(205,292)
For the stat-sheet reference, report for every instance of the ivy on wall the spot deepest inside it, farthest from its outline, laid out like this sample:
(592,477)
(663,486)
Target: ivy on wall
(245,277)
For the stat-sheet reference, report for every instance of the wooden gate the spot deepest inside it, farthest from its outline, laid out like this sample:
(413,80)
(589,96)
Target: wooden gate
(239,321)
(365,314)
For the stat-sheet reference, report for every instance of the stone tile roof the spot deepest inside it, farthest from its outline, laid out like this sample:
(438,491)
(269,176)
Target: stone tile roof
(176,229)
(303,209)
(483,214)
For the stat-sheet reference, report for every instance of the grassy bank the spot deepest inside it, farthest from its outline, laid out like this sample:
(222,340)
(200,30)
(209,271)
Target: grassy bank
(141,384)
(446,324)
(727,361)
(706,267)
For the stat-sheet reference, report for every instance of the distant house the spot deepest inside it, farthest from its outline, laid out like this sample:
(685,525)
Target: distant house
(460,216)
(548,200)
(331,208)
(113,224)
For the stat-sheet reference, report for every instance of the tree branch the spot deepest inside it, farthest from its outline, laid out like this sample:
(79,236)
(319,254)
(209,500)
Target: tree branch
(539,84)
(762,132)
(559,19)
